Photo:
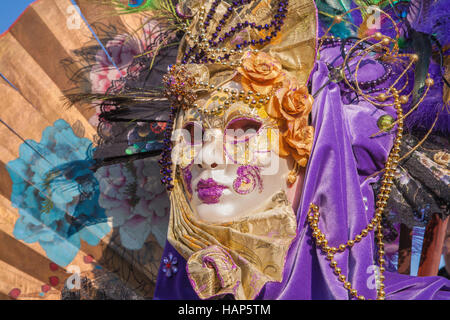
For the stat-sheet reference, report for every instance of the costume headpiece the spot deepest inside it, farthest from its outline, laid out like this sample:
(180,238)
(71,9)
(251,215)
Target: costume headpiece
(268,47)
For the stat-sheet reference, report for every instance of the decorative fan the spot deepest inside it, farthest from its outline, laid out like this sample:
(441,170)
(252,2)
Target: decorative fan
(65,221)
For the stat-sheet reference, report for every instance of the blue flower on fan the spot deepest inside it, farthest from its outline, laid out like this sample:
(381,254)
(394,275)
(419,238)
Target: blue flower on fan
(57,194)
(169,265)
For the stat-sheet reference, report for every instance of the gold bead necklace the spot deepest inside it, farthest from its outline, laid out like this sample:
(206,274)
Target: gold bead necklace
(252,99)
(385,190)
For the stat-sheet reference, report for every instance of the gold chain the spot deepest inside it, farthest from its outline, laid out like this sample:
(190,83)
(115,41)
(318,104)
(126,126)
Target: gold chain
(383,196)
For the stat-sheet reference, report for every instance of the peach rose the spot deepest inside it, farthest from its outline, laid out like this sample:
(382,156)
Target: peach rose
(299,137)
(260,72)
(291,104)
(290,101)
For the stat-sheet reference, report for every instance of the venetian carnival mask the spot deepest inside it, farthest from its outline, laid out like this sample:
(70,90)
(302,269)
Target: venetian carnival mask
(234,146)
(229,161)
(240,137)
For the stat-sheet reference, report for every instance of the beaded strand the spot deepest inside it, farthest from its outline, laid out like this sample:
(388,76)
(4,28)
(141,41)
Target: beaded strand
(253,99)
(203,43)
(385,190)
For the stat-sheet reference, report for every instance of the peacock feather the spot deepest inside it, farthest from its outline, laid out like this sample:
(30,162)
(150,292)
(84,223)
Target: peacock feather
(135,6)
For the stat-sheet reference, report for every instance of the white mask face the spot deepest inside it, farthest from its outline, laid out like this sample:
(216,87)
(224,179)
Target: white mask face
(229,162)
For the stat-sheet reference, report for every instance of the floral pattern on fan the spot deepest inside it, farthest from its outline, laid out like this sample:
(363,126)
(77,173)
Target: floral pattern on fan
(57,211)
(110,76)
(133,196)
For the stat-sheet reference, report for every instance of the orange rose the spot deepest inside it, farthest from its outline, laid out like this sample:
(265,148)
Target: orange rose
(296,102)
(260,72)
(291,105)
(290,101)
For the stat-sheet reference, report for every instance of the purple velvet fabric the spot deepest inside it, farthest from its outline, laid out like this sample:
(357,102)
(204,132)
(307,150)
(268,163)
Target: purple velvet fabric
(342,156)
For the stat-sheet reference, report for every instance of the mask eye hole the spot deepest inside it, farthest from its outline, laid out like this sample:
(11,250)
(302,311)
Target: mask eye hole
(192,133)
(242,129)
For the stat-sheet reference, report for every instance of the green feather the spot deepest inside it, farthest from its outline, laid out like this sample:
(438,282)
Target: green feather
(147,5)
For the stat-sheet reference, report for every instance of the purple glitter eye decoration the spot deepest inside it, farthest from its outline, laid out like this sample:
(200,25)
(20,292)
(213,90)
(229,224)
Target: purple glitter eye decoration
(209,191)
(248,178)
(187,176)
